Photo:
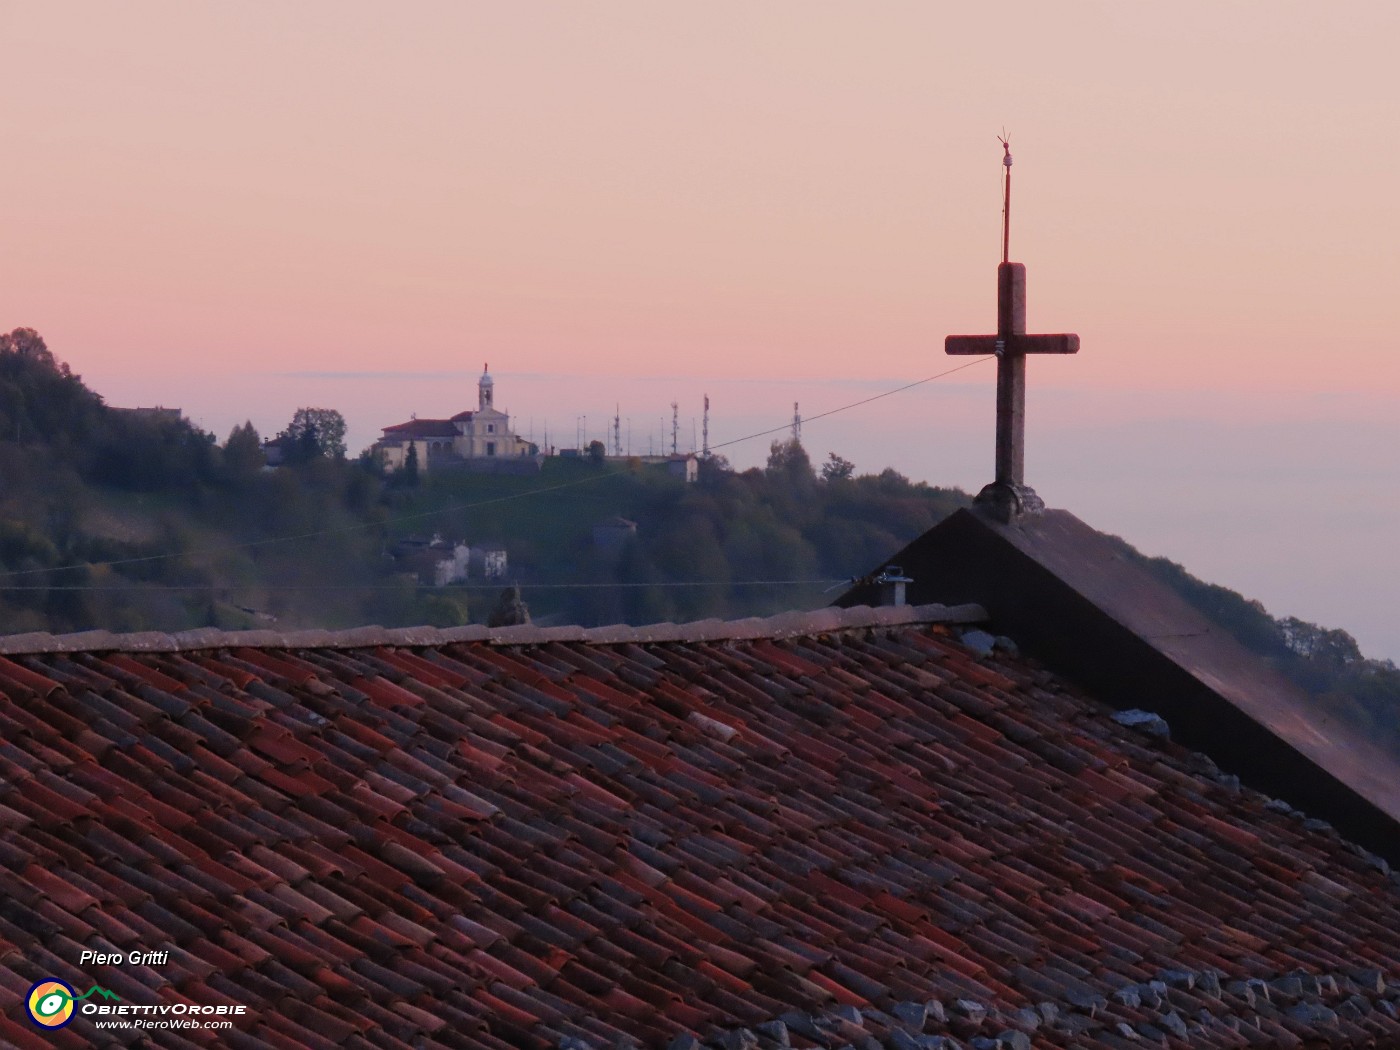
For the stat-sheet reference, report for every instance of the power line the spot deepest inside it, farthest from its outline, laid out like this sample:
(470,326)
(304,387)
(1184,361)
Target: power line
(344,529)
(853,404)
(589,585)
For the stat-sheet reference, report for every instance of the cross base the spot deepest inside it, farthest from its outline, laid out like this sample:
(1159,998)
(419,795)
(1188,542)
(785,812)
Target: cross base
(1008,503)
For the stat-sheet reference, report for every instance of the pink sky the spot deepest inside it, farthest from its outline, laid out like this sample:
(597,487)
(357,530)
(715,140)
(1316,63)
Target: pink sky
(197,199)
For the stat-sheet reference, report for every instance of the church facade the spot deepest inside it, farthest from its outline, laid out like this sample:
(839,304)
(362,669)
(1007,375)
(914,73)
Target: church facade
(476,436)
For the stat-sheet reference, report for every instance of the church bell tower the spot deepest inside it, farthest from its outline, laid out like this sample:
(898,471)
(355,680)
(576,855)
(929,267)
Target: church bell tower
(485,387)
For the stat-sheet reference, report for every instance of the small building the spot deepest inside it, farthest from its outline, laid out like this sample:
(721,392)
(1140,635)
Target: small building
(685,466)
(452,566)
(434,562)
(278,450)
(489,562)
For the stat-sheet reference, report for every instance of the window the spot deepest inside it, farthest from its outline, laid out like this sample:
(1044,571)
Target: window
(490,448)
(490,428)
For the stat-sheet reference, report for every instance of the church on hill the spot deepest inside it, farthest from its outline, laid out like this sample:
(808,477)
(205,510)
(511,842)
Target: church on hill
(479,438)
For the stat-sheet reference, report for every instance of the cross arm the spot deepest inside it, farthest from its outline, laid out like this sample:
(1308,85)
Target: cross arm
(961,345)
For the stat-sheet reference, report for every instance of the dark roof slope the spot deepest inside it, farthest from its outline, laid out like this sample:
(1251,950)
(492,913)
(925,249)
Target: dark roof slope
(854,823)
(1068,594)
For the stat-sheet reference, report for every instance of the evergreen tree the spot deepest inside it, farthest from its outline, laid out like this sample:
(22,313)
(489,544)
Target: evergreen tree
(243,453)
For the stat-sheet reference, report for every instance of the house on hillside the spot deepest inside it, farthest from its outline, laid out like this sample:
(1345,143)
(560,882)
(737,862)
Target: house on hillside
(435,562)
(279,450)
(489,561)
(480,438)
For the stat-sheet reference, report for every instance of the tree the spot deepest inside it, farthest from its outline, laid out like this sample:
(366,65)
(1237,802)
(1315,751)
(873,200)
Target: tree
(318,432)
(1333,649)
(892,481)
(837,469)
(410,465)
(309,443)
(27,343)
(713,470)
(789,458)
(243,453)
(597,451)
(510,610)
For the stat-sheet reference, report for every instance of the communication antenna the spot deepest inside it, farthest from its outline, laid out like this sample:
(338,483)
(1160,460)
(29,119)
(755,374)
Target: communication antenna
(796,424)
(675,427)
(617,431)
(705,430)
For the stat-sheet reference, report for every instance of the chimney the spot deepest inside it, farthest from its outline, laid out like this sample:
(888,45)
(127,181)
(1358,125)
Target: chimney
(892,582)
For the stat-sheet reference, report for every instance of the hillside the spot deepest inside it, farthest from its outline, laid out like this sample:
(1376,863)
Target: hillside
(128,521)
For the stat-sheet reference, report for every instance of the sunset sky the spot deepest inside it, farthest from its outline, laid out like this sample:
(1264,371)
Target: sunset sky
(239,209)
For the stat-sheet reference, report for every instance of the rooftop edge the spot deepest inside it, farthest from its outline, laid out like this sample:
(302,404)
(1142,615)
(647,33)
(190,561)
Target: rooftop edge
(783,625)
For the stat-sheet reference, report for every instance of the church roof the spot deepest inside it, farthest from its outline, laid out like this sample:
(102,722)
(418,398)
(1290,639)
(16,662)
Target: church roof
(463,417)
(864,827)
(423,428)
(1071,595)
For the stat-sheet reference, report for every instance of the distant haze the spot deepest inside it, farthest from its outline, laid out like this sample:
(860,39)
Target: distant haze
(239,210)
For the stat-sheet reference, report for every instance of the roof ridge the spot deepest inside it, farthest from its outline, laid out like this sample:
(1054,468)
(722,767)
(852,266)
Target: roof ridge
(783,625)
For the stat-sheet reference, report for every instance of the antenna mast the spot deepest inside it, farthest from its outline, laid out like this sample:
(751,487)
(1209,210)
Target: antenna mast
(796,424)
(675,426)
(617,431)
(705,430)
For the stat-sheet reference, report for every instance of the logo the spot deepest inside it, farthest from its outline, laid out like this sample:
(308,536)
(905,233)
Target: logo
(50,1002)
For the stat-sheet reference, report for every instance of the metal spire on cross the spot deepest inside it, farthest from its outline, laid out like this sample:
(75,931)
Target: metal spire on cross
(1009,497)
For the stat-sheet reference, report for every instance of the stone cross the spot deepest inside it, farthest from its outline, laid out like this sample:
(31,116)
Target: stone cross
(1009,497)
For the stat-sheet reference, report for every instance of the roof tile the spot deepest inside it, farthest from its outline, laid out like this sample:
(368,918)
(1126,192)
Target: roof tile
(479,843)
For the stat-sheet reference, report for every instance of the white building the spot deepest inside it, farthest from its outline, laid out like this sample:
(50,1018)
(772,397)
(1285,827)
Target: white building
(482,434)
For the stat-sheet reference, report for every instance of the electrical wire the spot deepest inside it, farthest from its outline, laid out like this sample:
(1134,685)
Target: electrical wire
(590,585)
(496,500)
(853,404)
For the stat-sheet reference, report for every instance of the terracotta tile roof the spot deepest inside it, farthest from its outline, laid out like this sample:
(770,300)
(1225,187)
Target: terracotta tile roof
(422,428)
(843,828)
